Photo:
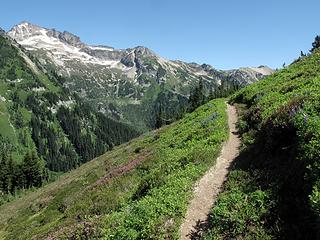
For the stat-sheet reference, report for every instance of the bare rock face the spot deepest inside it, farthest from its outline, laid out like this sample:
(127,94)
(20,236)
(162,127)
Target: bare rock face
(129,60)
(66,37)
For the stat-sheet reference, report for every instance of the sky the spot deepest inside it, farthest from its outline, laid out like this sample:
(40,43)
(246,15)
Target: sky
(223,33)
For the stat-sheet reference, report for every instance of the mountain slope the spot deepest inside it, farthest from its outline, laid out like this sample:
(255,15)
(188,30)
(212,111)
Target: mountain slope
(117,81)
(37,114)
(139,190)
(273,190)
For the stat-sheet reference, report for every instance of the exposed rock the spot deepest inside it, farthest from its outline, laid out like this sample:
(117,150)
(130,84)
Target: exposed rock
(66,37)
(129,60)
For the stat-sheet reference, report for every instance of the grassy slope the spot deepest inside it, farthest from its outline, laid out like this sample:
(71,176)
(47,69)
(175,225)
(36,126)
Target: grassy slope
(146,202)
(273,190)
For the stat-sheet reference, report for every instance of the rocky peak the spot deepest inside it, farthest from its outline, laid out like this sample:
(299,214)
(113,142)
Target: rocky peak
(136,55)
(66,37)
(24,30)
(143,51)
(207,67)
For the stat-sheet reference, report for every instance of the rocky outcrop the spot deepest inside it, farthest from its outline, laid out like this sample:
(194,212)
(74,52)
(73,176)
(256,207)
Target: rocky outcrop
(66,37)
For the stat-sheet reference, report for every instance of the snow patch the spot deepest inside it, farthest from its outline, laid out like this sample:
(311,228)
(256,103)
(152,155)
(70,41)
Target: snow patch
(65,103)
(40,89)
(100,48)
(3,99)
(61,52)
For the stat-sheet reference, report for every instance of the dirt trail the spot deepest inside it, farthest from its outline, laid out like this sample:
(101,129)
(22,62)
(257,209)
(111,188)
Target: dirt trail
(209,186)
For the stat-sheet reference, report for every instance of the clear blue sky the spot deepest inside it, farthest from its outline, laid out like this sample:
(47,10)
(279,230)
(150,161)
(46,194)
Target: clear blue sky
(225,33)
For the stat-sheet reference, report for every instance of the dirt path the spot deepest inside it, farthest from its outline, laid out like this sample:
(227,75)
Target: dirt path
(211,183)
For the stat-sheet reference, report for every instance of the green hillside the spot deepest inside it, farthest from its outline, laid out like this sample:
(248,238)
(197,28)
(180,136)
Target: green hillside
(56,184)
(139,190)
(273,189)
(45,129)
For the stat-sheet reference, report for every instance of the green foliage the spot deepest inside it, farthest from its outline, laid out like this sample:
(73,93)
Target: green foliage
(166,108)
(283,119)
(162,196)
(316,43)
(241,210)
(147,201)
(29,173)
(315,200)
(33,170)
(197,97)
(239,215)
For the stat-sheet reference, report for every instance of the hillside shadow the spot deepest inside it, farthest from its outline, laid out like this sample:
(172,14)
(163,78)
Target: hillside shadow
(281,172)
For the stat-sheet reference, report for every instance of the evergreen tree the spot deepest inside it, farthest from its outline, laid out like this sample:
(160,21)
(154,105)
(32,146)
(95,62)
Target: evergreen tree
(316,43)
(33,170)
(6,174)
(159,117)
(211,94)
(197,97)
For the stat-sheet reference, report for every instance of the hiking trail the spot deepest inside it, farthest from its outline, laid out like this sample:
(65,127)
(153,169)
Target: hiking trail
(210,185)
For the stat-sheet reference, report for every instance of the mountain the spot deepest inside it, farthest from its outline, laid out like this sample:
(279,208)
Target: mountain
(139,190)
(246,76)
(44,128)
(48,122)
(126,84)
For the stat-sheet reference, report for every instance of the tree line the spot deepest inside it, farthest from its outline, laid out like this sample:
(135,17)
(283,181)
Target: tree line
(30,172)
(166,112)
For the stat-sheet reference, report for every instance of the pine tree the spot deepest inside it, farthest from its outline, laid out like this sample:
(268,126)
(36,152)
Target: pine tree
(211,94)
(316,43)
(197,97)
(159,117)
(33,170)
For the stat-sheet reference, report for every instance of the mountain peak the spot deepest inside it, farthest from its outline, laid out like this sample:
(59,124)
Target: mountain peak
(141,50)
(26,25)
(26,30)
